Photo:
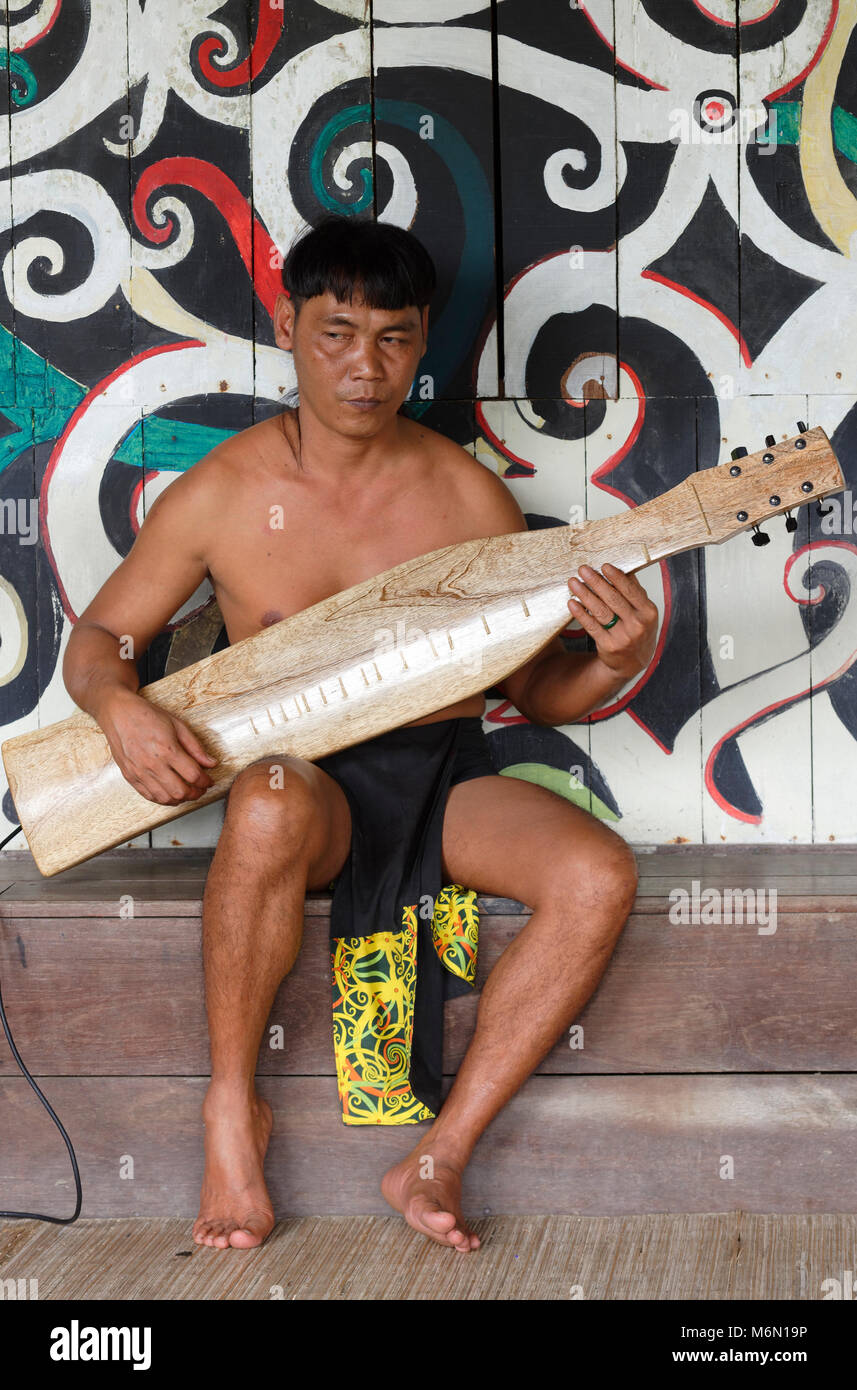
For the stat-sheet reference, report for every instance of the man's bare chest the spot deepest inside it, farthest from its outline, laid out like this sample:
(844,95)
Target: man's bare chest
(270,561)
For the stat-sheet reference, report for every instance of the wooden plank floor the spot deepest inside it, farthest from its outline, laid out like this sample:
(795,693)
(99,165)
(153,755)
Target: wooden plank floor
(708,1257)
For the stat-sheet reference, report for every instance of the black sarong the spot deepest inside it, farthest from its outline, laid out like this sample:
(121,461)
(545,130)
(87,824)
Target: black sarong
(401,942)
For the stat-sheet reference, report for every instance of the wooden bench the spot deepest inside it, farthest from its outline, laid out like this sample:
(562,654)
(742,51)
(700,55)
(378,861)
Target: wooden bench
(718,1069)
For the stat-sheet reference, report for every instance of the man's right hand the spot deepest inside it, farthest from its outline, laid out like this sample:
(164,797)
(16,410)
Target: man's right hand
(156,752)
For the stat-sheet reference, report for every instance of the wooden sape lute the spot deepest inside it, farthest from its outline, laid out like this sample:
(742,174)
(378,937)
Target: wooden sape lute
(389,650)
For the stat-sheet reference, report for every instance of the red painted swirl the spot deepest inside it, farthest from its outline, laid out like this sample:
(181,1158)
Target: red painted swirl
(268,31)
(255,247)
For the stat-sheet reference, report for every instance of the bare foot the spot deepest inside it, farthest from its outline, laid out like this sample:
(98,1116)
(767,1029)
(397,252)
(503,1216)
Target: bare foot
(234,1207)
(432,1205)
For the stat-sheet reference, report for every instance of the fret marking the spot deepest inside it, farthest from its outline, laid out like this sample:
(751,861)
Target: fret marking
(699,505)
(323,696)
(525,608)
(485,624)
(342,684)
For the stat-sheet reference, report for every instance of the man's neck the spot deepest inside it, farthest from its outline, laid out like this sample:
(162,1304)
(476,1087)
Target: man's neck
(336,458)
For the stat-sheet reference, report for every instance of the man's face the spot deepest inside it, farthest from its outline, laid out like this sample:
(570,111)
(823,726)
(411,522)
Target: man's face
(354,364)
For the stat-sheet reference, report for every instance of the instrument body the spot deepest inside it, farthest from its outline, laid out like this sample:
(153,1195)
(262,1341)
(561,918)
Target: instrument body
(394,648)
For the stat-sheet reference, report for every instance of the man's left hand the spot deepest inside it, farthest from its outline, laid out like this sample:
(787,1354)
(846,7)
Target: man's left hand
(629,645)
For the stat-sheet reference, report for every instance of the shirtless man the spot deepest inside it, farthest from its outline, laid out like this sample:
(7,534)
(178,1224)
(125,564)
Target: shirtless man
(361,488)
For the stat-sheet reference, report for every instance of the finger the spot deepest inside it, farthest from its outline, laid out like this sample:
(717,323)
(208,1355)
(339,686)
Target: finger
(593,626)
(174,786)
(187,768)
(189,740)
(630,587)
(152,790)
(155,782)
(607,592)
(595,605)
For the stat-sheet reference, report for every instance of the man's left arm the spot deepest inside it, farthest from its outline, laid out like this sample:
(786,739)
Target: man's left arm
(555,686)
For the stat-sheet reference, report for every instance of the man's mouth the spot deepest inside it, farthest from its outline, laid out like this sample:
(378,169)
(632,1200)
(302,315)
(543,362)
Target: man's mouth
(364,402)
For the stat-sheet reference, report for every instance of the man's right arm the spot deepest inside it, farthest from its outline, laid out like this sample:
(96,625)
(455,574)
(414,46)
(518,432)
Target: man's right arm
(156,752)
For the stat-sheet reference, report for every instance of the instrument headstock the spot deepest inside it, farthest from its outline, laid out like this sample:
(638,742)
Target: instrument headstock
(750,488)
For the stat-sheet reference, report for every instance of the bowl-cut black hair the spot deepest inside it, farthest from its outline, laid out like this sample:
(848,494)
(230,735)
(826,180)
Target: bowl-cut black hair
(386,266)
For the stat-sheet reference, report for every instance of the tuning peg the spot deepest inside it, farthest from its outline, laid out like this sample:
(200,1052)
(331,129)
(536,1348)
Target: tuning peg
(770,441)
(801,427)
(740,452)
(759,537)
(791,522)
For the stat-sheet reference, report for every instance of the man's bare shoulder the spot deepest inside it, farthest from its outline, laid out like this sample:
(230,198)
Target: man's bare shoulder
(190,510)
(238,453)
(208,480)
(475,489)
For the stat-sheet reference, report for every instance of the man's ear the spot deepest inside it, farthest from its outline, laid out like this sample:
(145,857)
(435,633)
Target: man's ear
(284,321)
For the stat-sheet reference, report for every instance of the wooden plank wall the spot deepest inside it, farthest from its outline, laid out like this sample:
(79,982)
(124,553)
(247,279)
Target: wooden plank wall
(642,217)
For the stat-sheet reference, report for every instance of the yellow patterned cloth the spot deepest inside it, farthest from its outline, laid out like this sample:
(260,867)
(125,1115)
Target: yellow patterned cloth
(401,943)
(374,980)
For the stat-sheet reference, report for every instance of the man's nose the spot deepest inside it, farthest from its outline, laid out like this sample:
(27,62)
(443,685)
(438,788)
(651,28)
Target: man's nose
(366,359)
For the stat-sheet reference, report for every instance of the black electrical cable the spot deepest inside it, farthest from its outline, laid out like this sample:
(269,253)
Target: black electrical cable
(10,836)
(37,1215)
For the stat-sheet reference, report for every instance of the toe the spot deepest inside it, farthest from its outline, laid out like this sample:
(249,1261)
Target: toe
(432,1216)
(252,1232)
(218,1234)
(205,1234)
(242,1239)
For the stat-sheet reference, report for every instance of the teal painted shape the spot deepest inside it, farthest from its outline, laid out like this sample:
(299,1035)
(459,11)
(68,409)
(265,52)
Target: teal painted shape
(788,128)
(34,427)
(845,132)
(170,445)
(27,380)
(341,121)
(788,125)
(40,397)
(22,70)
(43,399)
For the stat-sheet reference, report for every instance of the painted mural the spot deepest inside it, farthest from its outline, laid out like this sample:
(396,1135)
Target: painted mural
(644,217)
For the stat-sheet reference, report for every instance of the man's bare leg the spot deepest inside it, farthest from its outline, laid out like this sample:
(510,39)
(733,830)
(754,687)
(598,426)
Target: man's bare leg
(276,841)
(511,838)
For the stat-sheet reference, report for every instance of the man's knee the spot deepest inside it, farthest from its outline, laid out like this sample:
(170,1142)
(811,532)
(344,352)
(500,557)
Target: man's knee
(604,874)
(274,799)
(619,873)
